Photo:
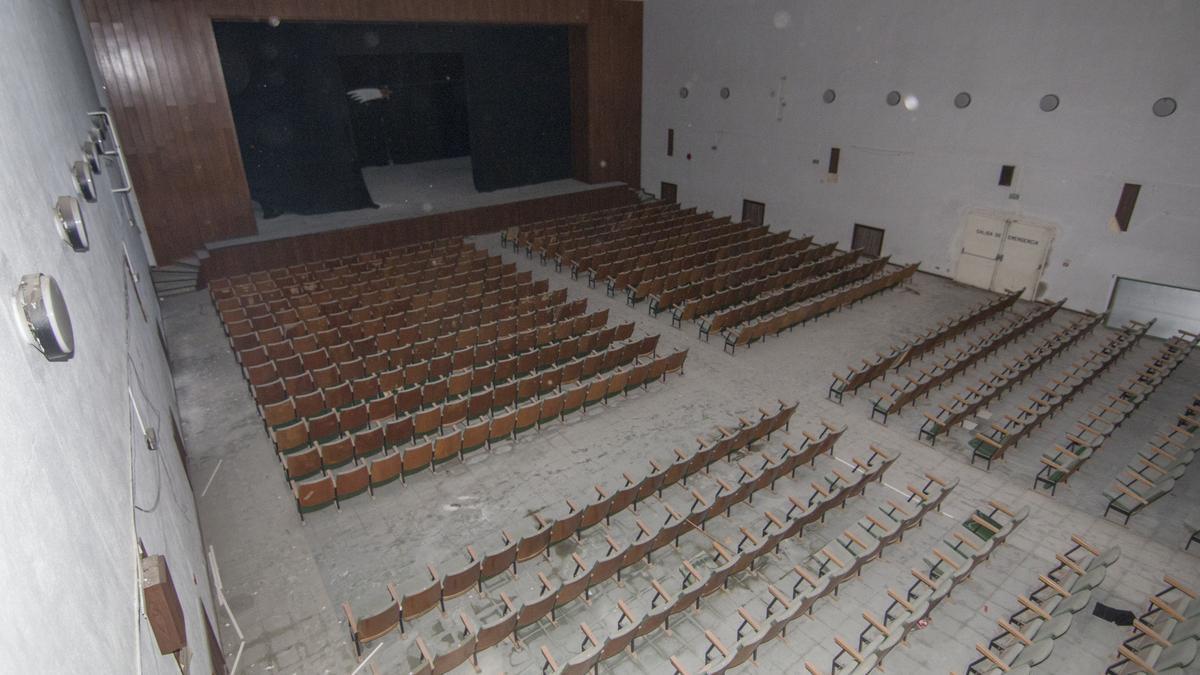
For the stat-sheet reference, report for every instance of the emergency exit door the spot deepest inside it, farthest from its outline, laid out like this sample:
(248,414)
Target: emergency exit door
(1003,252)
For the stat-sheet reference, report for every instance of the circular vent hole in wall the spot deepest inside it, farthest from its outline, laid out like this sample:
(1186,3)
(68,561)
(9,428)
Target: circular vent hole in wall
(893,98)
(1049,103)
(962,100)
(1165,107)
(829,96)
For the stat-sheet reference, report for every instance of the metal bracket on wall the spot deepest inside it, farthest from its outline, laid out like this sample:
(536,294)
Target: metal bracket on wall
(116,151)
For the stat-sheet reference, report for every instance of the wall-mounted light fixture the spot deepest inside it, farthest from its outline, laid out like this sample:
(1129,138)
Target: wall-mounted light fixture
(69,219)
(42,316)
(82,173)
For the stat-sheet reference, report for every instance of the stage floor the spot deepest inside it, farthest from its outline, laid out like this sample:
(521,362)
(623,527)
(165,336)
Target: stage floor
(407,191)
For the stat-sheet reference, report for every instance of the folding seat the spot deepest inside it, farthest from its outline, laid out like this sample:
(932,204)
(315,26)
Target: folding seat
(502,426)
(352,369)
(289,366)
(399,431)
(328,337)
(365,388)
(483,354)
(597,391)
(505,370)
(313,495)
(323,428)
(447,447)
(416,458)
(527,362)
(444,344)
(271,335)
(527,416)
(528,387)
(326,377)
(375,363)
(339,396)
(368,443)
(302,464)
(638,377)
(384,470)
(391,380)
(459,382)
(351,482)
(290,437)
(336,453)
(416,373)
(551,409)
(439,366)
(408,399)
(260,374)
(313,359)
(299,384)
(280,350)
(616,384)
(353,418)
(453,412)
(427,421)
(434,391)
(278,414)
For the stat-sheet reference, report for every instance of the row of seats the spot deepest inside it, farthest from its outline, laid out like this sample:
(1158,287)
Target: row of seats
(954,364)
(668,227)
(508,296)
(704,290)
(1152,474)
(1102,419)
(412,326)
(578,241)
(456,274)
(434,405)
(741,248)
(432,378)
(1026,639)
(1166,637)
(1010,374)
(565,334)
(819,576)
(961,553)
(619,269)
(581,249)
(397,449)
(350,267)
(820,297)
(825,275)
(526,235)
(915,349)
(730,566)
(552,532)
(992,443)
(805,264)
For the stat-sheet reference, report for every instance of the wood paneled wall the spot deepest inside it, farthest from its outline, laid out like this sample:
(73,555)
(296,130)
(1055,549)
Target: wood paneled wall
(254,256)
(166,91)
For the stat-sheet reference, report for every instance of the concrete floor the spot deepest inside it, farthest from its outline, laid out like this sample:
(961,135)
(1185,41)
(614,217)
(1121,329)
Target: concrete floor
(285,580)
(407,191)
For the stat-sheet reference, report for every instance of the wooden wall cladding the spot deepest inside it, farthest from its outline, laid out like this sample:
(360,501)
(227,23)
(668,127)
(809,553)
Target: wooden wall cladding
(166,91)
(261,255)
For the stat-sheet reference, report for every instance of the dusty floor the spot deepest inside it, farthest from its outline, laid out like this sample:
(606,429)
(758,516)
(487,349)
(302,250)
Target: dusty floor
(285,580)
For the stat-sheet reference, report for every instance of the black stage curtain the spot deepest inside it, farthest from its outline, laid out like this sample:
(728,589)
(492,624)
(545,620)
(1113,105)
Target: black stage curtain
(292,118)
(518,96)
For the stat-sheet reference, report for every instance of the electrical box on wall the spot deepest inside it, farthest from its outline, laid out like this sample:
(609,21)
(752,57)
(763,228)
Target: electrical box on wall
(163,610)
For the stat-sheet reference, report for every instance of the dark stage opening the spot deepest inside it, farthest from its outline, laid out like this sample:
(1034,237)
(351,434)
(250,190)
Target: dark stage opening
(315,103)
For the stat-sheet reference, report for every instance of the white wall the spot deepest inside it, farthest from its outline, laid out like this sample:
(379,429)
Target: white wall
(917,173)
(78,486)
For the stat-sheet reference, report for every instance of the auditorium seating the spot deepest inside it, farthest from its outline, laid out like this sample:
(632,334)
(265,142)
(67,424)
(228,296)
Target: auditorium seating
(809,300)
(514,551)
(1165,637)
(1151,475)
(1013,372)
(1104,418)
(951,365)
(918,347)
(967,547)
(1027,637)
(376,366)
(992,443)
